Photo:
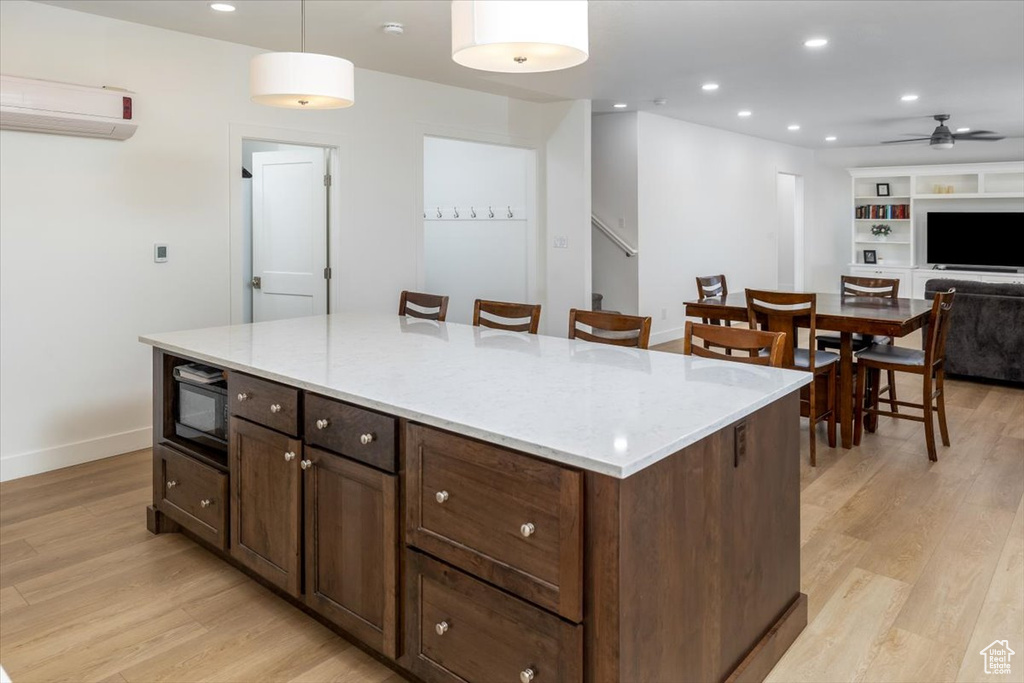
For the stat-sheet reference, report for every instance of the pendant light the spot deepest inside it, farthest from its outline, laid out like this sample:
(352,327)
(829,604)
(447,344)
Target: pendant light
(519,36)
(302,80)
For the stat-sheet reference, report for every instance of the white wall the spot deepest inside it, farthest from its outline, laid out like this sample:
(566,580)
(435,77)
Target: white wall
(785,206)
(707,204)
(486,258)
(614,199)
(78,217)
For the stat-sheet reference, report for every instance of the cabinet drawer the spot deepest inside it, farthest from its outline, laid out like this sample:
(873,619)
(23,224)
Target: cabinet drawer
(267,403)
(512,520)
(355,432)
(192,494)
(459,629)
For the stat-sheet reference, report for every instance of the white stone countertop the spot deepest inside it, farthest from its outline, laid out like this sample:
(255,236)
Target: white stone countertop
(598,407)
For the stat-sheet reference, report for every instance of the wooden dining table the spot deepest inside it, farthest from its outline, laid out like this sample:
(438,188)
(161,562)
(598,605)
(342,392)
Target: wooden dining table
(847,315)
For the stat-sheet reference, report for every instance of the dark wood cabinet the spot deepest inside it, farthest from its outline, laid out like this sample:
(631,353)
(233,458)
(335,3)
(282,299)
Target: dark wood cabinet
(266,517)
(267,403)
(357,433)
(191,494)
(351,544)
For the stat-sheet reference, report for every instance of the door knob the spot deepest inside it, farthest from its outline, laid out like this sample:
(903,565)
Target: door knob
(257,282)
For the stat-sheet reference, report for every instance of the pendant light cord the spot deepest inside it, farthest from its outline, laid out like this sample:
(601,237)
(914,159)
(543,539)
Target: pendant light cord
(303,44)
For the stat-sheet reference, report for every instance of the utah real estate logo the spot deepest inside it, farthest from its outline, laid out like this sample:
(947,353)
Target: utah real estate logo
(997,657)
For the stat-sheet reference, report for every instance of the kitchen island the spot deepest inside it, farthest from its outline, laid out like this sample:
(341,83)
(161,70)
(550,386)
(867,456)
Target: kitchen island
(479,505)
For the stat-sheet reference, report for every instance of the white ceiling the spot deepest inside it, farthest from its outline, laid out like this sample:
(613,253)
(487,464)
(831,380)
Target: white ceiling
(961,58)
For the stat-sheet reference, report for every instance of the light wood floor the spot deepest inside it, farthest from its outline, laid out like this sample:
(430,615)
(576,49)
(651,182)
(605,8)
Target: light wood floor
(911,568)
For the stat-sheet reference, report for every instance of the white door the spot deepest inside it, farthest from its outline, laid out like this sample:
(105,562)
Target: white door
(289,234)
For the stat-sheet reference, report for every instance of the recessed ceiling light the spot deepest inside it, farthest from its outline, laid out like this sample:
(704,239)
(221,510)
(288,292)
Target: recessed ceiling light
(393,28)
(963,130)
(793,126)
(816,42)
(830,138)
(744,114)
(909,98)
(620,105)
(661,101)
(222,7)
(709,86)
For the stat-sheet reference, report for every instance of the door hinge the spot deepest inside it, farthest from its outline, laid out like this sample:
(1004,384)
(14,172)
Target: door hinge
(327,179)
(327,273)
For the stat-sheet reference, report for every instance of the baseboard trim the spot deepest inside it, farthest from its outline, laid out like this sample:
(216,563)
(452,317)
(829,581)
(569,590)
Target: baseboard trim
(667,336)
(58,457)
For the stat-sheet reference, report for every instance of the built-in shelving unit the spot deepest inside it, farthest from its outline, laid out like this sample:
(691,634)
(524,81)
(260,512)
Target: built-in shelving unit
(921,189)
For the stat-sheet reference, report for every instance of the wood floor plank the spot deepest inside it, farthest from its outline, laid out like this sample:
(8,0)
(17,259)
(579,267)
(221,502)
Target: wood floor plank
(905,657)
(15,551)
(10,599)
(1000,482)
(825,562)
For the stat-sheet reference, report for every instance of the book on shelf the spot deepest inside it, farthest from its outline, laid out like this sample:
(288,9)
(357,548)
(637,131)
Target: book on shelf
(893,212)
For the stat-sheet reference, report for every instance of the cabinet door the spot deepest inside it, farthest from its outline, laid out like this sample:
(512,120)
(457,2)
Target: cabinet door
(265,503)
(351,547)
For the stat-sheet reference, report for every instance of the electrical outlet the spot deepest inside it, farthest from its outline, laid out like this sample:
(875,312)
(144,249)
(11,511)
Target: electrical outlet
(561,242)
(664,314)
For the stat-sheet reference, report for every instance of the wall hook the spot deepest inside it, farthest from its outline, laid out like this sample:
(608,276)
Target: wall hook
(510,212)
(472,212)
(439,212)
(490,212)
(456,212)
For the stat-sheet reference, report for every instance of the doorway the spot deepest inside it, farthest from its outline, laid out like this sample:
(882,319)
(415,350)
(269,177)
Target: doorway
(285,237)
(790,231)
(479,236)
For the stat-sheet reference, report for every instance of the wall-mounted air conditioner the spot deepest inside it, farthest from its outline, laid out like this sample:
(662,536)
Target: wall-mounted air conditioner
(65,109)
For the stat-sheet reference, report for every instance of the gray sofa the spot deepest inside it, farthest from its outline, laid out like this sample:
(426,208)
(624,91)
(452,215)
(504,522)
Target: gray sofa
(986,329)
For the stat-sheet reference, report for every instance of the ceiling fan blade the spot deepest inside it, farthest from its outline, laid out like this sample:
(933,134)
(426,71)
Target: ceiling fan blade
(985,139)
(980,135)
(896,142)
(975,132)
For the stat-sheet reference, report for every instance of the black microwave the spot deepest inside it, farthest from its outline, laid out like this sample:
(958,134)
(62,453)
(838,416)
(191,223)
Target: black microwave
(201,413)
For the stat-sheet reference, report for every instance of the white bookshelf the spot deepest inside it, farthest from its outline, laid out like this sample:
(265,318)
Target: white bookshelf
(920,189)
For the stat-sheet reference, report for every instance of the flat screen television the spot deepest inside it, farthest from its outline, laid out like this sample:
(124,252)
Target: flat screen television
(974,238)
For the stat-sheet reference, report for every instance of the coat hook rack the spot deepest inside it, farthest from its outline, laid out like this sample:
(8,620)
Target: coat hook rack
(490,212)
(456,212)
(472,212)
(439,212)
(510,212)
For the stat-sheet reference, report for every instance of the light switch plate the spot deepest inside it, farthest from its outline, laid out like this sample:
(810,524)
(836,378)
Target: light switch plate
(159,253)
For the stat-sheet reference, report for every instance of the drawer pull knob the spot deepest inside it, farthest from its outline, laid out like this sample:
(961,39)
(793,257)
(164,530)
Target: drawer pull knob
(366,439)
(322,424)
(441,628)
(275,408)
(243,397)
(171,484)
(527,529)
(205,503)
(289,456)
(441,496)
(306,464)
(526,675)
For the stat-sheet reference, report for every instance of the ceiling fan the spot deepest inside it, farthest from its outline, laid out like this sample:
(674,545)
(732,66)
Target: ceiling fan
(943,138)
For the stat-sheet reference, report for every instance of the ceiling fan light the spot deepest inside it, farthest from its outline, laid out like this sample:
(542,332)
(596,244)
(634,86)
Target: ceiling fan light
(947,144)
(302,80)
(520,36)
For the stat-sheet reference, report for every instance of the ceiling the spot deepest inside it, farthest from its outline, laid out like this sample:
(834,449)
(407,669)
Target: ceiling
(962,58)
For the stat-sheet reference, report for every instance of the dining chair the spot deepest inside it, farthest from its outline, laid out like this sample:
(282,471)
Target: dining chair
(787,312)
(520,317)
(761,347)
(853,286)
(929,363)
(709,286)
(610,328)
(426,306)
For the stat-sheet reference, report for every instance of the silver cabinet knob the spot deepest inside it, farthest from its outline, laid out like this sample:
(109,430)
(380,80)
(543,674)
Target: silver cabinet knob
(306,464)
(243,396)
(171,484)
(441,496)
(205,503)
(322,424)
(526,675)
(441,628)
(275,408)
(527,529)
(289,456)
(366,439)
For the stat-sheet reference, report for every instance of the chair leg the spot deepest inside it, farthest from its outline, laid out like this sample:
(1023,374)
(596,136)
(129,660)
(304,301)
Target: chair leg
(812,420)
(873,382)
(943,429)
(892,392)
(832,379)
(929,426)
(858,404)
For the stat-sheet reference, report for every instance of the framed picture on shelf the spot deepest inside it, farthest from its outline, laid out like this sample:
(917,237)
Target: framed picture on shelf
(882,189)
(870,256)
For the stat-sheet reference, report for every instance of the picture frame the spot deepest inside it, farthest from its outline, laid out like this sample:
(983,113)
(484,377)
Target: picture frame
(882,189)
(870,256)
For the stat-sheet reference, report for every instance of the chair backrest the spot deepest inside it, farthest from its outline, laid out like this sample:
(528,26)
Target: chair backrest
(711,285)
(426,306)
(527,315)
(610,328)
(938,327)
(735,339)
(851,285)
(784,312)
